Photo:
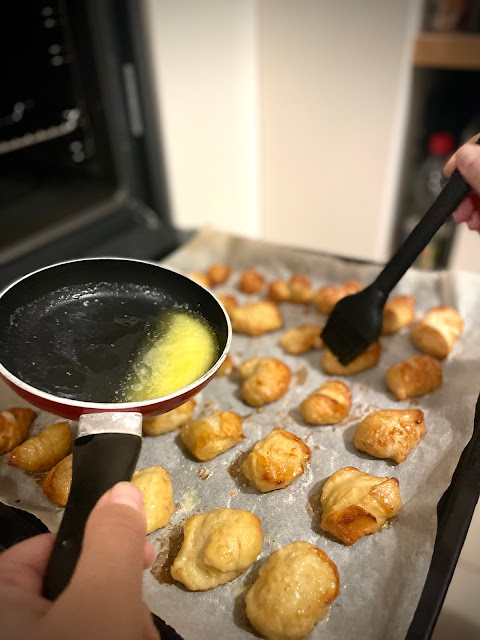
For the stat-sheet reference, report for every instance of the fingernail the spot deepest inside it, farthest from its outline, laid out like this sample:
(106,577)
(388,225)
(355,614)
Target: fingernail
(126,493)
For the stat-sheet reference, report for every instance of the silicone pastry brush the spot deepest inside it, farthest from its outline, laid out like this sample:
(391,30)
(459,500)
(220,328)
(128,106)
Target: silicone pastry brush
(356,320)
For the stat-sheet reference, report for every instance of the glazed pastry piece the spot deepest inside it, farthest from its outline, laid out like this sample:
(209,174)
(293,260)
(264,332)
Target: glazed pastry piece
(365,360)
(210,436)
(276,460)
(201,278)
(293,592)
(437,332)
(398,313)
(155,484)
(414,377)
(44,451)
(251,281)
(218,273)
(328,405)
(227,367)
(327,297)
(264,380)
(169,421)
(218,546)
(298,289)
(229,302)
(58,481)
(14,426)
(392,433)
(356,504)
(301,339)
(256,318)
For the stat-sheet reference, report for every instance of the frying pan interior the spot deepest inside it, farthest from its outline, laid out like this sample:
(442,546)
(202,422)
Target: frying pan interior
(69,329)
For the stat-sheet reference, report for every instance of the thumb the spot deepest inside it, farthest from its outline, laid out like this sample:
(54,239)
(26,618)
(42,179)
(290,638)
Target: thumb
(114,541)
(104,597)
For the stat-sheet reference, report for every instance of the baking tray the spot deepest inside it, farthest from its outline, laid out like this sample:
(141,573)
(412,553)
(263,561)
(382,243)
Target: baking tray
(454,511)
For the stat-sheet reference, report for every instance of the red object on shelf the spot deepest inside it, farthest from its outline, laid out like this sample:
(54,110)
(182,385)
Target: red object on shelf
(441,143)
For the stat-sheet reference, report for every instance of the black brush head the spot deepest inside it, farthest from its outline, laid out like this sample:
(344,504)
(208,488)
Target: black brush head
(354,324)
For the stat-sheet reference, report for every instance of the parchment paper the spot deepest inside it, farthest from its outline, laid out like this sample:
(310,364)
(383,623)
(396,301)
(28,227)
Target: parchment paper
(382,575)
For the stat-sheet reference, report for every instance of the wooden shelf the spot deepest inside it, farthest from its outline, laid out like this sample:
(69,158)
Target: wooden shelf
(447,50)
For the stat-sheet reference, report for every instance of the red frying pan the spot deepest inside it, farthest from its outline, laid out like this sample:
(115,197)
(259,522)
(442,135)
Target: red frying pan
(67,336)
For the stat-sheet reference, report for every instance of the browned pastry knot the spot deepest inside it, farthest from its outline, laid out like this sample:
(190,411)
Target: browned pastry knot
(330,404)
(169,421)
(301,339)
(217,547)
(391,433)
(398,313)
(256,318)
(44,451)
(414,377)
(366,360)
(251,281)
(436,333)
(356,504)
(327,297)
(298,289)
(218,273)
(14,426)
(264,380)
(212,435)
(293,592)
(276,460)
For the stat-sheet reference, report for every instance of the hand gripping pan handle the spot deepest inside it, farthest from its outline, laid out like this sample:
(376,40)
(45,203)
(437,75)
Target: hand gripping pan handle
(105,452)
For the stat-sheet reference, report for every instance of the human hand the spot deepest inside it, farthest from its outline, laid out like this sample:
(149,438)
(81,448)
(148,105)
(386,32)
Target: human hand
(104,597)
(467,160)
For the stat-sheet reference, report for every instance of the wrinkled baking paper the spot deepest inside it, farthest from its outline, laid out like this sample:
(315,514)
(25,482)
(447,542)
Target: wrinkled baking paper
(381,575)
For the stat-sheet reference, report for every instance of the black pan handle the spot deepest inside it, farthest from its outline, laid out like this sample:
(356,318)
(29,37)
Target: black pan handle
(99,462)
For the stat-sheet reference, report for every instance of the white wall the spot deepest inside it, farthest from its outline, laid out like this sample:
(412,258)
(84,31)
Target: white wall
(334,96)
(285,118)
(205,72)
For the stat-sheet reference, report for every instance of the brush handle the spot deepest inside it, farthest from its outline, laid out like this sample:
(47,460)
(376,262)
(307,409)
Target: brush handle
(452,194)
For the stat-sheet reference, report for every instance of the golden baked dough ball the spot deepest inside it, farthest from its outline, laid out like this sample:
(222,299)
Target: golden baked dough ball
(264,380)
(155,484)
(298,289)
(398,313)
(226,368)
(200,278)
(327,297)
(14,426)
(356,504)
(251,281)
(414,377)
(229,302)
(276,460)
(42,452)
(437,332)
(301,339)
(218,546)
(293,592)
(330,404)
(58,481)
(366,360)
(218,273)
(169,421)
(210,436)
(256,318)
(391,433)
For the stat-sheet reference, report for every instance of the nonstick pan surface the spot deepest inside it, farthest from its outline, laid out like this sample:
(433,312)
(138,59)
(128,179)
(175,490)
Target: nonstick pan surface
(68,330)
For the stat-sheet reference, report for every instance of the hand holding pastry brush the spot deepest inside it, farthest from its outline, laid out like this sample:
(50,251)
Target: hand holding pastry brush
(356,320)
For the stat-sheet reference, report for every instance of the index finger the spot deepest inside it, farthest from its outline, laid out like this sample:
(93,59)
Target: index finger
(23,566)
